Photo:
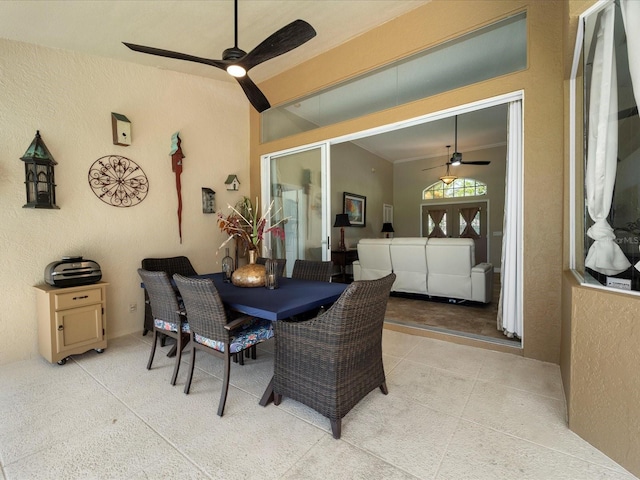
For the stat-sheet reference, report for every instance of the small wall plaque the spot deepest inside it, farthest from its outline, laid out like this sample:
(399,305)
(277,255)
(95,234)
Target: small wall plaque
(121,129)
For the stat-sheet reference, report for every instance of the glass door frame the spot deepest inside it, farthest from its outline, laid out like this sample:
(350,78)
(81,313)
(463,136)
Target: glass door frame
(325,173)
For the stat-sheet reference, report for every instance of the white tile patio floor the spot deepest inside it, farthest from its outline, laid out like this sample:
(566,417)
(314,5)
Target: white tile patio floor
(453,412)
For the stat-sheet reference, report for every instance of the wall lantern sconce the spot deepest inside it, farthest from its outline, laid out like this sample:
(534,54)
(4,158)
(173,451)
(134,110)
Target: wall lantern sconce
(38,175)
(232,182)
(121,129)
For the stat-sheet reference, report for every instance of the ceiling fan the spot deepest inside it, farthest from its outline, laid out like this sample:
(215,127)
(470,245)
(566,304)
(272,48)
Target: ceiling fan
(237,62)
(456,158)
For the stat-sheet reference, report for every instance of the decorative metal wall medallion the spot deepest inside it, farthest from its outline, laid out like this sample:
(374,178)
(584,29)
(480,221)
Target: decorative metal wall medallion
(118,181)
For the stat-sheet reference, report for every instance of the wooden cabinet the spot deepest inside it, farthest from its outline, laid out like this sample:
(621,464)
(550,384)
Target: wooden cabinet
(71,320)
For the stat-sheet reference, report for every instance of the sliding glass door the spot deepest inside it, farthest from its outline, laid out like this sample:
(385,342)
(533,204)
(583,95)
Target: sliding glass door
(295,183)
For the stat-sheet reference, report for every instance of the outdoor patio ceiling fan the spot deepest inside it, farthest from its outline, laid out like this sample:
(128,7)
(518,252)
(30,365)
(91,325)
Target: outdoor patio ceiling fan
(237,62)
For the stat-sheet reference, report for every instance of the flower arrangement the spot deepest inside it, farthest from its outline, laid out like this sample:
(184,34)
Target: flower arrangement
(244,223)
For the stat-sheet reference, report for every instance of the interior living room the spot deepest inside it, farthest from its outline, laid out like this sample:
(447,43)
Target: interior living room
(576,339)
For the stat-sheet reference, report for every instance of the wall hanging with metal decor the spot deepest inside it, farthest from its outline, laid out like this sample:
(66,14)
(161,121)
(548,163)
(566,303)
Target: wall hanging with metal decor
(38,175)
(118,181)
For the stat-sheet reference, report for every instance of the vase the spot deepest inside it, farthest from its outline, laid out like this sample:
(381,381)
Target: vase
(250,275)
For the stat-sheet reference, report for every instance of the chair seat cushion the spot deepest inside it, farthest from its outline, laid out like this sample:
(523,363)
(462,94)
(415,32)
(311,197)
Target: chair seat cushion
(258,330)
(170,327)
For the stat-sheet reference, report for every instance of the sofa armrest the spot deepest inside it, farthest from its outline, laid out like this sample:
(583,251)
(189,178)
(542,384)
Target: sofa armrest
(357,270)
(482,283)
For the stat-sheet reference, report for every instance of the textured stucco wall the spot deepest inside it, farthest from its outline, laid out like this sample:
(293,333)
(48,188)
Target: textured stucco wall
(542,83)
(69,98)
(604,396)
(600,330)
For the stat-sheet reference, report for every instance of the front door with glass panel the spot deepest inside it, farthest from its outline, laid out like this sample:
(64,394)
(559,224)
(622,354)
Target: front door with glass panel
(458,220)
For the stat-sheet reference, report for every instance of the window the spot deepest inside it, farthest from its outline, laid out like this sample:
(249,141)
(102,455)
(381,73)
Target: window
(607,221)
(461,187)
(491,51)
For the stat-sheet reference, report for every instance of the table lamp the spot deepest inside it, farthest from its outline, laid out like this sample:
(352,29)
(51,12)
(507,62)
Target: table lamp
(342,220)
(387,228)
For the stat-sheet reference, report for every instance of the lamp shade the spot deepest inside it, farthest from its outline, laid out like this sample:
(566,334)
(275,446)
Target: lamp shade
(448,178)
(342,220)
(387,228)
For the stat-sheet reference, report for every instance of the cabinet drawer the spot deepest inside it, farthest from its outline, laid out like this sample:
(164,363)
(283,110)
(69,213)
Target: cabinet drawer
(77,299)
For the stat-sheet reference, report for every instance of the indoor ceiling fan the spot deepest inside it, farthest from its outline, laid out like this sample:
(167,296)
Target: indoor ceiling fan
(237,62)
(456,158)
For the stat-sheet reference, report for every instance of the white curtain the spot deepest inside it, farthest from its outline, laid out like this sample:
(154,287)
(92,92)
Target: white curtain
(631,18)
(604,256)
(510,303)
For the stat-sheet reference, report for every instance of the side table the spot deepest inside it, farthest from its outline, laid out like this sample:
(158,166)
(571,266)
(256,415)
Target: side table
(343,258)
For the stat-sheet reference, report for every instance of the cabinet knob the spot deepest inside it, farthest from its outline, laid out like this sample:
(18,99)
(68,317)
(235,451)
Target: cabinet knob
(60,328)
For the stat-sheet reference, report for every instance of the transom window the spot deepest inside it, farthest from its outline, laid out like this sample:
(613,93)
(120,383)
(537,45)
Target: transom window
(460,187)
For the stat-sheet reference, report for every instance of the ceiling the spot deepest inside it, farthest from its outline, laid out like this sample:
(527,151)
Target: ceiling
(202,28)
(205,28)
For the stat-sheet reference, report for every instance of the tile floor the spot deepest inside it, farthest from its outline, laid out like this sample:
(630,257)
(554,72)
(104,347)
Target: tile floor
(453,412)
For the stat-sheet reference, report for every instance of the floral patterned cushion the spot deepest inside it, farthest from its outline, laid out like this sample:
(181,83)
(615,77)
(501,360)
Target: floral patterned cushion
(258,330)
(170,327)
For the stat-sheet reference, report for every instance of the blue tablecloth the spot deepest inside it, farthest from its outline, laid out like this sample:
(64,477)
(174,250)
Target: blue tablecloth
(292,298)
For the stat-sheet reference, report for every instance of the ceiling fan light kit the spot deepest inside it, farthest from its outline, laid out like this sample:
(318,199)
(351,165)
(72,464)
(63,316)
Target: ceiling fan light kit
(237,62)
(448,178)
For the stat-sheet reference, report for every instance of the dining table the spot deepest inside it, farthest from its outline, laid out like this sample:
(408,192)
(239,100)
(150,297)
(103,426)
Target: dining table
(292,297)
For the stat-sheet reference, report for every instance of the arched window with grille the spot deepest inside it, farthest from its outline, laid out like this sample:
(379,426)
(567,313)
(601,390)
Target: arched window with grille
(460,187)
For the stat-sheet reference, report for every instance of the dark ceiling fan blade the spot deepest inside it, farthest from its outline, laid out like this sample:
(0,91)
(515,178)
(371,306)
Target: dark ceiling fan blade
(284,40)
(253,93)
(437,166)
(477,162)
(178,56)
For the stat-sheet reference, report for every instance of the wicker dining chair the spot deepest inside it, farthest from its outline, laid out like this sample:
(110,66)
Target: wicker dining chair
(170,265)
(331,362)
(211,332)
(312,270)
(167,321)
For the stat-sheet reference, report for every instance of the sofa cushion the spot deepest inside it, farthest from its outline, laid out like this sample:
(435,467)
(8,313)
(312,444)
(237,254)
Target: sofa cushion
(374,258)
(409,262)
(449,261)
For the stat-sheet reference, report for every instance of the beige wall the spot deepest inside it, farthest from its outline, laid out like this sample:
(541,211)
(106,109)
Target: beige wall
(542,84)
(410,180)
(600,334)
(601,373)
(69,98)
(356,170)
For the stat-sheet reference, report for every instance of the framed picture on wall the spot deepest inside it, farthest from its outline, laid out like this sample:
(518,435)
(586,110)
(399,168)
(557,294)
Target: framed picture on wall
(356,207)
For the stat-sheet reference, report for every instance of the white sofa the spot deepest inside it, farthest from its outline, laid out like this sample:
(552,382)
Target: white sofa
(440,267)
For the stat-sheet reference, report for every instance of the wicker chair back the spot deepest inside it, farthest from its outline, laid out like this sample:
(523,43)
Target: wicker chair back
(205,310)
(312,270)
(162,296)
(331,362)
